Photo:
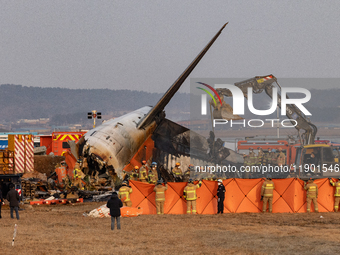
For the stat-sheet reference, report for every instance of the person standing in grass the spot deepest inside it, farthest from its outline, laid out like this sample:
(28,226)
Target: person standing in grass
(114,204)
(13,199)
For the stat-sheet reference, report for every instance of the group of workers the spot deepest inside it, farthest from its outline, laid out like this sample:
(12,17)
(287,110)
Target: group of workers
(190,195)
(268,188)
(143,174)
(271,157)
(152,175)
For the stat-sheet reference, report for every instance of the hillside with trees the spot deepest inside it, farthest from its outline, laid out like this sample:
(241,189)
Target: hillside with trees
(65,106)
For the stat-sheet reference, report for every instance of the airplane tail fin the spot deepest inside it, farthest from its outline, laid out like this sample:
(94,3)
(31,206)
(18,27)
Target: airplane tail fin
(159,107)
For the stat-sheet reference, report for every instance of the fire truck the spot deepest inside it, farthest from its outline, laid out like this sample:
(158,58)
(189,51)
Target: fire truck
(288,147)
(57,142)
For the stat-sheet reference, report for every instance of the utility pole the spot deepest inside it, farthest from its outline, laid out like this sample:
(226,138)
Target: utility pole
(94,115)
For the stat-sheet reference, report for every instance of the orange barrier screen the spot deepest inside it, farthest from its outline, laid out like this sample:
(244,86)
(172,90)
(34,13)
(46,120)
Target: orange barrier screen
(242,195)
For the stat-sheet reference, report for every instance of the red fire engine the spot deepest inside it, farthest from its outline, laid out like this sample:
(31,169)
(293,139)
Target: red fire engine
(57,142)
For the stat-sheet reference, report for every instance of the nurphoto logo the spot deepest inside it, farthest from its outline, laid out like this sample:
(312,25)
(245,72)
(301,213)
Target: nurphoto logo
(281,100)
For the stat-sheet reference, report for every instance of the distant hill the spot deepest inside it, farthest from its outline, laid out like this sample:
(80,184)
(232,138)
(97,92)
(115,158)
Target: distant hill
(66,106)
(60,104)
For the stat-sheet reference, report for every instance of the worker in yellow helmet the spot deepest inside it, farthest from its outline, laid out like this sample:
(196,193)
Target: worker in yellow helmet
(336,194)
(124,194)
(143,172)
(177,172)
(191,196)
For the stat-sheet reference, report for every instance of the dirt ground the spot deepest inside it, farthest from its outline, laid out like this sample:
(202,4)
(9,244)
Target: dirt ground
(61,229)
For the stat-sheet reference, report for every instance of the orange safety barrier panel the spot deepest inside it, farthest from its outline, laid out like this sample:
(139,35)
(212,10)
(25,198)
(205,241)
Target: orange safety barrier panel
(130,211)
(242,195)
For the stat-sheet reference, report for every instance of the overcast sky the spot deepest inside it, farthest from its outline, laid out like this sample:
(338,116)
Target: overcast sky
(146,45)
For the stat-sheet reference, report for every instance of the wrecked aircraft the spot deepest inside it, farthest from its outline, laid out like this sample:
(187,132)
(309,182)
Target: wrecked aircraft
(111,146)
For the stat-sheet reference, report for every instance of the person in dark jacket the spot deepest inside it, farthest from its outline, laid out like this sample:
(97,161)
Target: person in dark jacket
(1,200)
(13,199)
(220,195)
(114,204)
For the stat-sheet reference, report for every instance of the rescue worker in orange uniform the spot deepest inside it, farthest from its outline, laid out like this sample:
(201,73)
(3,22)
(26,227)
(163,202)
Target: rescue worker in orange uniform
(336,194)
(143,172)
(124,194)
(177,172)
(191,196)
(267,190)
(281,158)
(312,194)
(160,196)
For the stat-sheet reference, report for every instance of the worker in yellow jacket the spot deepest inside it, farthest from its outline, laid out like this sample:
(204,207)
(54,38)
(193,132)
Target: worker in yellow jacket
(267,190)
(312,194)
(124,194)
(160,196)
(336,193)
(191,196)
(143,172)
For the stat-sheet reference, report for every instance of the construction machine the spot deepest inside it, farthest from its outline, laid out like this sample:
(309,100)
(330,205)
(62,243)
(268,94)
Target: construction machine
(258,85)
(301,166)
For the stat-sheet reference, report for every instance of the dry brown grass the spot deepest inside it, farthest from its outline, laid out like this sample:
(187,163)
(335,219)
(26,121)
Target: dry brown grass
(61,229)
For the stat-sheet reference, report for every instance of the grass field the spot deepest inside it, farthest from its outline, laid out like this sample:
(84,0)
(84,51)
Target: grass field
(61,229)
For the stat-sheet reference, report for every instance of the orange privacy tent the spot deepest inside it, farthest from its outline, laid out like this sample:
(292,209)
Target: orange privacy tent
(242,195)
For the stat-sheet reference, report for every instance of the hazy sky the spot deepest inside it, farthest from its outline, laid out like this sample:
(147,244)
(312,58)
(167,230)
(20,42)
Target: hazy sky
(145,45)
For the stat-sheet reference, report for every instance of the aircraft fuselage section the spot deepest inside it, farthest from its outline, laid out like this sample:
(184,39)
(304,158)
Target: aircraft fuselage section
(116,141)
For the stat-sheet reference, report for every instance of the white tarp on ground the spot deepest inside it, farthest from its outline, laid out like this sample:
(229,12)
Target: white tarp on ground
(103,211)
(100,212)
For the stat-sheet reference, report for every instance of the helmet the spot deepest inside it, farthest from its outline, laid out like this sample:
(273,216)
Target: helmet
(259,148)
(273,150)
(269,149)
(219,180)
(136,167)
(251,148)
(191,180)
(154,163)
(63,163)
(269,176)
(159,182)
(339,178)
(178,164)
(143,162)
(124,183)
(79,161)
